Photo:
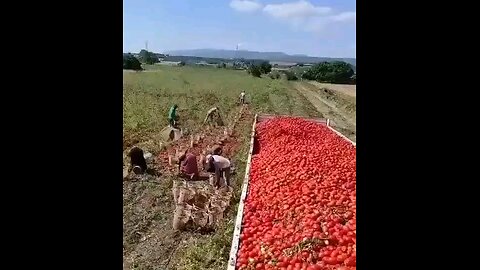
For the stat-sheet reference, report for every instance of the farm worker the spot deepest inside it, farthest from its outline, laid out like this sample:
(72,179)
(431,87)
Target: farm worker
(137,160)
(213,112)
(220,166)
(187,165)
(172,115)
(242,97)
(216,150)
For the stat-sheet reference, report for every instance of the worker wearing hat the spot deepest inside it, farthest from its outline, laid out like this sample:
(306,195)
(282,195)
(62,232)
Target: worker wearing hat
(213,112)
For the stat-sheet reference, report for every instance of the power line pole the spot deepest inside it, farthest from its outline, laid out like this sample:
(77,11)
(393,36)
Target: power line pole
(146,45)
(236,52)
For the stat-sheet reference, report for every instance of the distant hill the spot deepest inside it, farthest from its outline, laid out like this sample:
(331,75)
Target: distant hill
(271,56)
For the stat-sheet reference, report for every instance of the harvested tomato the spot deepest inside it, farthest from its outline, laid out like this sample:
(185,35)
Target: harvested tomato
(301,194)
(351,261)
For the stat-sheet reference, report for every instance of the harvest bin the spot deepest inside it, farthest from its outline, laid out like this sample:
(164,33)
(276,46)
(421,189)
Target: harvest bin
(238,222)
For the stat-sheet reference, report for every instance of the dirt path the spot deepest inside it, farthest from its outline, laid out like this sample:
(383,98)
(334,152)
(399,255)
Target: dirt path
(347,89)
(339,108)
(149,241)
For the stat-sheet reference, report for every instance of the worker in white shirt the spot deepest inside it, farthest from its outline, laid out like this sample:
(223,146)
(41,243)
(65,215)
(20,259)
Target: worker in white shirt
(220,166)
(242,97)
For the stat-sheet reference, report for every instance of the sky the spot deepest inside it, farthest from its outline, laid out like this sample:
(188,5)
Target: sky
(316,28)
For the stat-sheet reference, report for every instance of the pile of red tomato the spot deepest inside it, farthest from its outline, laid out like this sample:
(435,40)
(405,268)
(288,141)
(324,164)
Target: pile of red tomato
(300,211)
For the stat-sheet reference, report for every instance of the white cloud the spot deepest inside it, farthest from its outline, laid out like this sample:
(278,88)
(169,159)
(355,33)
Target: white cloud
(245,5)
(345,17)
(300,15)
(300,9)
(316,25)
(319,24)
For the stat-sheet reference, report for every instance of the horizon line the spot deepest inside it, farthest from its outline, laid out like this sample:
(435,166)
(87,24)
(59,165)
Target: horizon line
(244,50)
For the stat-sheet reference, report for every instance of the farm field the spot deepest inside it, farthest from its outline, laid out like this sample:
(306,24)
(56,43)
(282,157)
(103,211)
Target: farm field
(147,97)
(332,102)
(149,241)
(350,90)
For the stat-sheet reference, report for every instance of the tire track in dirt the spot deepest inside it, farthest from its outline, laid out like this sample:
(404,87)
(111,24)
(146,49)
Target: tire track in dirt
(346,89)
(332,109)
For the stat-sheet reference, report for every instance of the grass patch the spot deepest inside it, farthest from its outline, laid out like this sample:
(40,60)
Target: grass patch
(148,95)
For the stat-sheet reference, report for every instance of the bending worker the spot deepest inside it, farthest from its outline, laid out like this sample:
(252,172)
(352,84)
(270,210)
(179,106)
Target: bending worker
(211,114)
(220,166)
(172,115)
(187,165)
(138,163)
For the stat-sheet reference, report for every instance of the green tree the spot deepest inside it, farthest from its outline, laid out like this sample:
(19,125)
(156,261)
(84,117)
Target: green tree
(130,62)
(255,71)
(274,75)
(290,75)
(147,57)
(265,67)
(330,72)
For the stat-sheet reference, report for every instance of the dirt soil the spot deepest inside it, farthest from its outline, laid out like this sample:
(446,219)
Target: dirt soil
(149,241)
(336,105)
(347,89)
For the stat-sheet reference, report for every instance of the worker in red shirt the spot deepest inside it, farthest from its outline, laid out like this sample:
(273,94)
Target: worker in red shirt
(187,165)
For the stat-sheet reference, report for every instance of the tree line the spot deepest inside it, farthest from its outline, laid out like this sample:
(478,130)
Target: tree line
(134,63)
(331,72)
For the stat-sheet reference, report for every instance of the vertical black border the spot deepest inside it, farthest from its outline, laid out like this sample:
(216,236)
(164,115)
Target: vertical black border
(67,123)
(409,133)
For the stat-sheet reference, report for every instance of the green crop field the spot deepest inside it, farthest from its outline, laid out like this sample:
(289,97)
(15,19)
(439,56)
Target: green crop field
(148,95)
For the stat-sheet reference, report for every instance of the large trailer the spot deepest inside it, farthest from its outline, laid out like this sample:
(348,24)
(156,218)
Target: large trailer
(238,223)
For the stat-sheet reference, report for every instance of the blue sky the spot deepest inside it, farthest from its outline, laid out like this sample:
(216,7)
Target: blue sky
(314,27)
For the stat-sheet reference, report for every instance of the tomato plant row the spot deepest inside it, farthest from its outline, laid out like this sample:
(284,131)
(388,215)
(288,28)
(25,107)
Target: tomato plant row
(300,211)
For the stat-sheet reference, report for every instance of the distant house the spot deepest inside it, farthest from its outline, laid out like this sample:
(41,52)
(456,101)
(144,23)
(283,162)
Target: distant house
(169,63)
(204,63)
(160,56)
(282,64)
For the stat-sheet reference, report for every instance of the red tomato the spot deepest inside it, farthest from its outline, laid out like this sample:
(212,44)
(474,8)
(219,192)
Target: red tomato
(314,267)
(341,258)
(301,175)
(351,261)
(334,253)
(330,260)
